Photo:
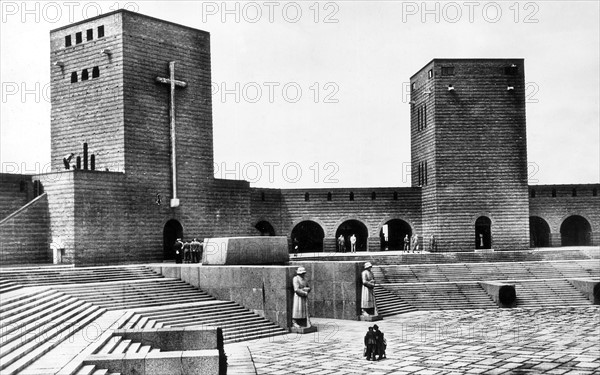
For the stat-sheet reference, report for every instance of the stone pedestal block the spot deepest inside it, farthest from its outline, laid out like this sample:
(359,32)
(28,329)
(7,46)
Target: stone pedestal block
(245,251)
(370,318)
(303,330)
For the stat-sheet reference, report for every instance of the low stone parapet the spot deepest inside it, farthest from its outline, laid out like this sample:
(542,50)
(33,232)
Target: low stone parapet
(182,351)
(589,288)
(502,293)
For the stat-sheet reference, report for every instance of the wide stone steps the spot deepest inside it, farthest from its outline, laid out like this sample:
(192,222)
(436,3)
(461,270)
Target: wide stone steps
(437,273)
(397,257)
(118,345)
(131,295)
(443,296)
(238,323)
(8,285)
(389,304)
(23,342)
(549,293)
(69,275)
(93,370)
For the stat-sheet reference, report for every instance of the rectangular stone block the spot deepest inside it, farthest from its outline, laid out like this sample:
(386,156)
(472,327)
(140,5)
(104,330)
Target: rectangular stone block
(172,272)
(163,363)
(245,250)
(134,363)
(200,362)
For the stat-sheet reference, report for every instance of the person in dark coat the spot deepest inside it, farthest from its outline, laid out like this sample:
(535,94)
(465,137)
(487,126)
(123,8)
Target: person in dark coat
(370,344)
(380,344)
(178,249)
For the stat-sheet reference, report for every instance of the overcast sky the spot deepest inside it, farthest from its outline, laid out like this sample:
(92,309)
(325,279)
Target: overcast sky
(317,90)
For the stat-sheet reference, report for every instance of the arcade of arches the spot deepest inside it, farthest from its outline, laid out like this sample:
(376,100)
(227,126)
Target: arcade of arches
(575,230)
(308,236)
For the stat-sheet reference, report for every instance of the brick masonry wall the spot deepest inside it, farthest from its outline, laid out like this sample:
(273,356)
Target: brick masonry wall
(15,191)
(555,210)
(423,148)
(88,111)
(480,152)
(24,235)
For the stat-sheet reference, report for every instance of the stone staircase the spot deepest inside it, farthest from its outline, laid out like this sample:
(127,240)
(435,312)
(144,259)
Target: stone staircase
(548,293)
(399,257)
(450,286)
(237,323)
(34,323)
(389,304)
(443,296)
(48,309)
(67,274)
(423,273)
(93,370)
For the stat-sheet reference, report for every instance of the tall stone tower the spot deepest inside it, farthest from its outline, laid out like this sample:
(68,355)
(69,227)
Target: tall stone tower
(111,90)
(136,91)
(469,153)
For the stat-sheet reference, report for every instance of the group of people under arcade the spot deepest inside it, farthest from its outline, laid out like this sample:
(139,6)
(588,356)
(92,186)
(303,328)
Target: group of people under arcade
(188,252)
(411,244)
(342,244)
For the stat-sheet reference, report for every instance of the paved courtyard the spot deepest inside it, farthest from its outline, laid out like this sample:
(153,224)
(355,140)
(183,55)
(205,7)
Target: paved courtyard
(504,341)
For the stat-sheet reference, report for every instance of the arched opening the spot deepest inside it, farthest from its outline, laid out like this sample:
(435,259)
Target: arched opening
(539,232)
(394,231)
(265,228)
(307,237)
(350,227)
(483,233)
(172,231)
(575,231)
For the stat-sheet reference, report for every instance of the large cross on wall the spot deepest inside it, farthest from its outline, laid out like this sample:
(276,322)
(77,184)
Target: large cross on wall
(173,83)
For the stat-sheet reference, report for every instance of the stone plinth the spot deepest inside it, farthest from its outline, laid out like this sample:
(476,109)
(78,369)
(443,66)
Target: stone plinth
(503,294)
(245,251)
(303,330)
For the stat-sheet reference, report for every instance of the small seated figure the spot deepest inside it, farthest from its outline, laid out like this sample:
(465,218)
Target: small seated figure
(300,318)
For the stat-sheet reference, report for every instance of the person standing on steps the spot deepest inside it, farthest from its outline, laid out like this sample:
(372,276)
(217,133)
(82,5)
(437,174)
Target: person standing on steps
(178,249)
(353,243)
(341,244)
(195,249)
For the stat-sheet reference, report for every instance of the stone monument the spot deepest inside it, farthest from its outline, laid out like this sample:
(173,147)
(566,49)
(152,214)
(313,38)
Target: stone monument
(300,316)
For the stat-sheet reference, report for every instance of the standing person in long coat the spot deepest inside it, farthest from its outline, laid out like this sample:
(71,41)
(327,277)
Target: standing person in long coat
(178,249)
(300,307)
(367,303)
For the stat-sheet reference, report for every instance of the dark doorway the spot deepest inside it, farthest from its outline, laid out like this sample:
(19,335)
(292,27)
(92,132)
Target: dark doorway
(483,233)
(396,230)
(307,237)
(575,231)
(350,227)
(539,232)
(265,228)
(173,230)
